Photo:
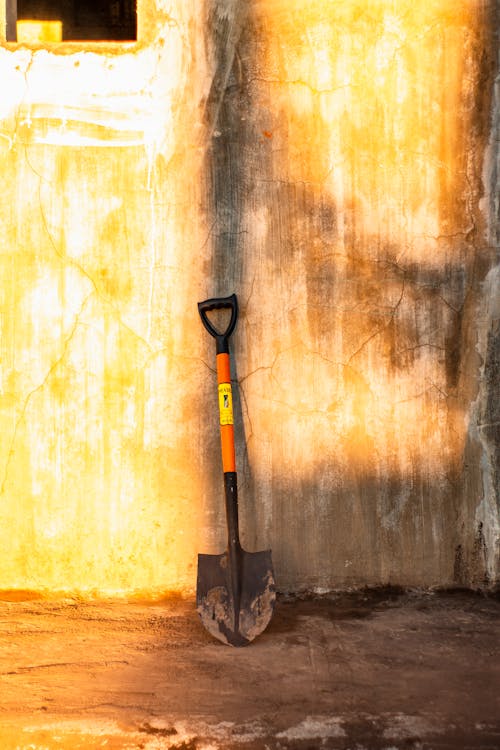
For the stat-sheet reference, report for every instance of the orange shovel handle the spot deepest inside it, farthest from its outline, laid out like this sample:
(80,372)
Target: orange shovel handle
(226,412)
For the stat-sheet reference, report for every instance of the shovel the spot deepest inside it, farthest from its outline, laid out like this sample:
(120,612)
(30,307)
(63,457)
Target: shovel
(235,591)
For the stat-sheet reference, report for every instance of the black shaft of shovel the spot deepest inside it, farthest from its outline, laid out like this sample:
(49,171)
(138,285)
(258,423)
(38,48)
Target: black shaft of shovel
(233,543)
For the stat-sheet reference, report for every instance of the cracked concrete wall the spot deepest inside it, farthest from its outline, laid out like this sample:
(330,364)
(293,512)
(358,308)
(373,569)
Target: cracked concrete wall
(336,166)
(352,185)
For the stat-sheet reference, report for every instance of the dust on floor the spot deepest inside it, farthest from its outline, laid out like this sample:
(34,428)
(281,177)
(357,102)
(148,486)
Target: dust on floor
(369,670)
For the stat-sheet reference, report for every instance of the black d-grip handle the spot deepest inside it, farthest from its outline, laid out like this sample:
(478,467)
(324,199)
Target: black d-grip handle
(220,303)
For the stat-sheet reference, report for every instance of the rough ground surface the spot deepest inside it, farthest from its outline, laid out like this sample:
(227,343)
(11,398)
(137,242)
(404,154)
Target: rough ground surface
(383,670)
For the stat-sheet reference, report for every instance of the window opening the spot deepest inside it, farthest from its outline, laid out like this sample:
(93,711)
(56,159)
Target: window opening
(79,20)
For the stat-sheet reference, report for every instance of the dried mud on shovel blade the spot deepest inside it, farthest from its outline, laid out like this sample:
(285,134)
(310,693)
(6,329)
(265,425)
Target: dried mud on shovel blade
(220,614)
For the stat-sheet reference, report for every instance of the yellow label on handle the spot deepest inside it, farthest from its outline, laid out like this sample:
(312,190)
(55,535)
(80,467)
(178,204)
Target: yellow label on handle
(225,403)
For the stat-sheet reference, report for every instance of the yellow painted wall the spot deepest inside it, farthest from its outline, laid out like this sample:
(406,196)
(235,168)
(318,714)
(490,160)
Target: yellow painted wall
(357,134)
(98,440)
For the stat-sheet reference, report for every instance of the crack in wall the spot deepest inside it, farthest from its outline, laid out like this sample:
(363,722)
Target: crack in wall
(64,351)
(86,275)
(380,330)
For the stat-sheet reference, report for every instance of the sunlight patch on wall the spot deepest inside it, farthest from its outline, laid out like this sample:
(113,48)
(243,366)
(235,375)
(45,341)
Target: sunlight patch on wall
(94,440)
(368,91)
(31,31)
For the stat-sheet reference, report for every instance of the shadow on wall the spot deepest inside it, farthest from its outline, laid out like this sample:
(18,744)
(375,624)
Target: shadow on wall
(356,346)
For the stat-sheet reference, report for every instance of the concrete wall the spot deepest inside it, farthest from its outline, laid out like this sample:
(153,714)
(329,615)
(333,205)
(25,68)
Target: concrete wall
(334,164)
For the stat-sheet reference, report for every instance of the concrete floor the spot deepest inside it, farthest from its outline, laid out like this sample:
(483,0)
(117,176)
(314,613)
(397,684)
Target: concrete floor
(367,670)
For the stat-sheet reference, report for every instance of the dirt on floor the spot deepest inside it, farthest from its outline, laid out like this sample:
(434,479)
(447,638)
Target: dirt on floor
(370,670)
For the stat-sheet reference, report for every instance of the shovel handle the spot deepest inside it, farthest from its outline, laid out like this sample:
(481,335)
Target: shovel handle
(220,303)
(223,375)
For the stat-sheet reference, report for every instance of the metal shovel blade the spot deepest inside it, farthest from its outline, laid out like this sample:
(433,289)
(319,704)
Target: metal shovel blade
(231,621)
